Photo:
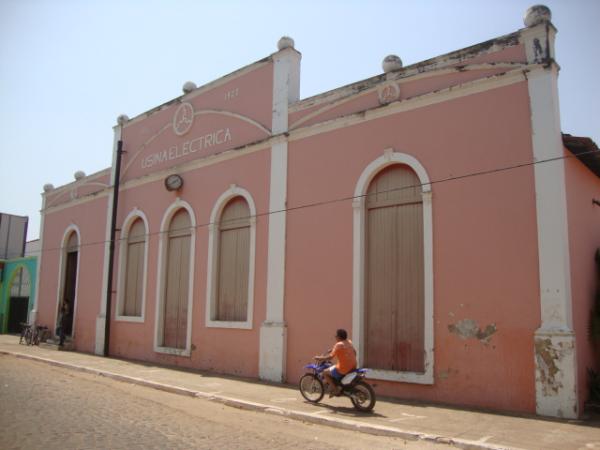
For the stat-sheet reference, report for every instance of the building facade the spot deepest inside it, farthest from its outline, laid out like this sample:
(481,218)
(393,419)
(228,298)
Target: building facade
(18,270)
(434,211)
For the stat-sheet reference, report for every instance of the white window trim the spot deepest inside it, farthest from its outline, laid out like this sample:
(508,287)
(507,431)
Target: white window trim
(123,247)
(358,301)
(213,246)
(160,279)
(62,274)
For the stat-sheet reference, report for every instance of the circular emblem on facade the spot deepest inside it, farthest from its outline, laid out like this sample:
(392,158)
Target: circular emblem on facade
(183,119)
(388,93)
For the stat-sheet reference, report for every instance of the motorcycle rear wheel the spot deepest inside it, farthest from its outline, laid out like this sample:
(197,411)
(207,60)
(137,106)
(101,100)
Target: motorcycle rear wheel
(311,388)
(363,396)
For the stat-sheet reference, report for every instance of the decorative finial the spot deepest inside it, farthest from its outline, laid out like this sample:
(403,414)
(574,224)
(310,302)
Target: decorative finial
(285,42)
(537,14)
(391,63)
(79,175)
(188,87)
(48,187)
(122,119)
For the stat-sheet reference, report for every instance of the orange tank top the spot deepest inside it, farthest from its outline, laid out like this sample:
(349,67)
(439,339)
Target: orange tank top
(346,356)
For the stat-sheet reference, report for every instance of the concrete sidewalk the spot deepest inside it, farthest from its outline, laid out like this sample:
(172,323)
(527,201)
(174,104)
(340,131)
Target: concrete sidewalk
(459,427)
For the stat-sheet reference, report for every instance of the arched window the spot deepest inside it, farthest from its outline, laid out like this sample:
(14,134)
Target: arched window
(134,270)
(233,262)
(394,300)
(231,255)
(176,286)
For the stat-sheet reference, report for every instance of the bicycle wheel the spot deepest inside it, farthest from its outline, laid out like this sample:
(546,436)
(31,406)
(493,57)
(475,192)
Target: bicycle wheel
(363,396)
(28,336)
(311,388)
(23,331)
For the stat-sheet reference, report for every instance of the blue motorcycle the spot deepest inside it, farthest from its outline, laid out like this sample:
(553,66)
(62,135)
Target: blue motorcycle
(353,385)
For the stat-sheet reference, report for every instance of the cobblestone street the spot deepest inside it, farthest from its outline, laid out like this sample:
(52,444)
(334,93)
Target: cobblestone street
(53,408)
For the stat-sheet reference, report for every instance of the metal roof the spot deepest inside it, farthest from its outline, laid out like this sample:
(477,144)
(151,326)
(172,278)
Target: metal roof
(585,150)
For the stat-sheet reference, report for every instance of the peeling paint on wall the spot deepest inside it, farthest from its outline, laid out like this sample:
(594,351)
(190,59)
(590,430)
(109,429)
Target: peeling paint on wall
(469,329)
(548,358)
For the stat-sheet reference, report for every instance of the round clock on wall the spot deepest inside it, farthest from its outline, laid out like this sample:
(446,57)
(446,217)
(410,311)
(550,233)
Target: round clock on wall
(173,182)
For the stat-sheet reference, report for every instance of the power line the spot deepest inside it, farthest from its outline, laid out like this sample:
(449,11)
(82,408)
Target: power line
(348,198)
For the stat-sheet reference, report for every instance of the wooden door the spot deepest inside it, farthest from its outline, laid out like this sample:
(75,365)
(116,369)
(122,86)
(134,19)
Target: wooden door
(176,292)
(234,261)
(394,297)
(134,273)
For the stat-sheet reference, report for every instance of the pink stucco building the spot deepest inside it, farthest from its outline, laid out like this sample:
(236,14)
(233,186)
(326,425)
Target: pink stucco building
(435,211)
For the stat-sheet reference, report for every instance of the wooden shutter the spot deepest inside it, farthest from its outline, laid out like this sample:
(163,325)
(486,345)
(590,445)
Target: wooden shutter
(177,281)
(233,261)
(394,303)
(134,272)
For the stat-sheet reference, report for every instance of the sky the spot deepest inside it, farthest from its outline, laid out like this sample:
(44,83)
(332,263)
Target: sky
(68,68)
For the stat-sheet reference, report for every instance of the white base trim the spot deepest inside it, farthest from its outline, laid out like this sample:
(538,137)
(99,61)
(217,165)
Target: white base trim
(173,351)
(100,328)
(273,340)
(555,374)
(404,377)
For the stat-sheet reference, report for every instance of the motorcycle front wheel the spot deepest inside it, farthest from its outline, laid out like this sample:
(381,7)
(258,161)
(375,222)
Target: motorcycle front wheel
(311,388)
(363,396)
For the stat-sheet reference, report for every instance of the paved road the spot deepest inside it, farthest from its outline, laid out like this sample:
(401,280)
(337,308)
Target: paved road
(42,406)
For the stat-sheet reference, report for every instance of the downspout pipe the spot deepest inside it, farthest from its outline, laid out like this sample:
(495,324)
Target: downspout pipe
(111,250)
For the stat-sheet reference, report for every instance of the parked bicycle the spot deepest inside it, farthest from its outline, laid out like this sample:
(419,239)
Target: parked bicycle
(33,335)
(26,333)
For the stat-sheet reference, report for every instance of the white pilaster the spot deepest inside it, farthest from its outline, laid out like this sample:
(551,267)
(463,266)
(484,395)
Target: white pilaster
(101,319)
(33,313)
(554,341)
(286,89)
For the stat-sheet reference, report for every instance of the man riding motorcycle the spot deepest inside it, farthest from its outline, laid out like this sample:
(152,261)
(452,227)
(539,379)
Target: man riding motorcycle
(345,353)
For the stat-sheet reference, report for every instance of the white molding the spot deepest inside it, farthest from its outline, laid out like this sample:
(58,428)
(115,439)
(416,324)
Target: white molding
(79,201)
(538,42)
(286,87)
(200,163)
(349,93)
(420,101)
(551,203)
(66,188)
(62,273)
(161,275)
(358,301)
(213,255)
(123,255)
(273,333)
(33,313)
(277,234)
(169,126)
(198,91)
(555,335)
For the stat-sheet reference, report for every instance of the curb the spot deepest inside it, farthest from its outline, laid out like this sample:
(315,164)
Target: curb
(345,424)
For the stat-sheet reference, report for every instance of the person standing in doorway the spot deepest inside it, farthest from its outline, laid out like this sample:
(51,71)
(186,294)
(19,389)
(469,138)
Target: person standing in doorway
(63,323)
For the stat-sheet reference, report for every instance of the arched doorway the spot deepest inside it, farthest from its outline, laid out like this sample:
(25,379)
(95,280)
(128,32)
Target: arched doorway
(394,275)
(18,301)
(66,307)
